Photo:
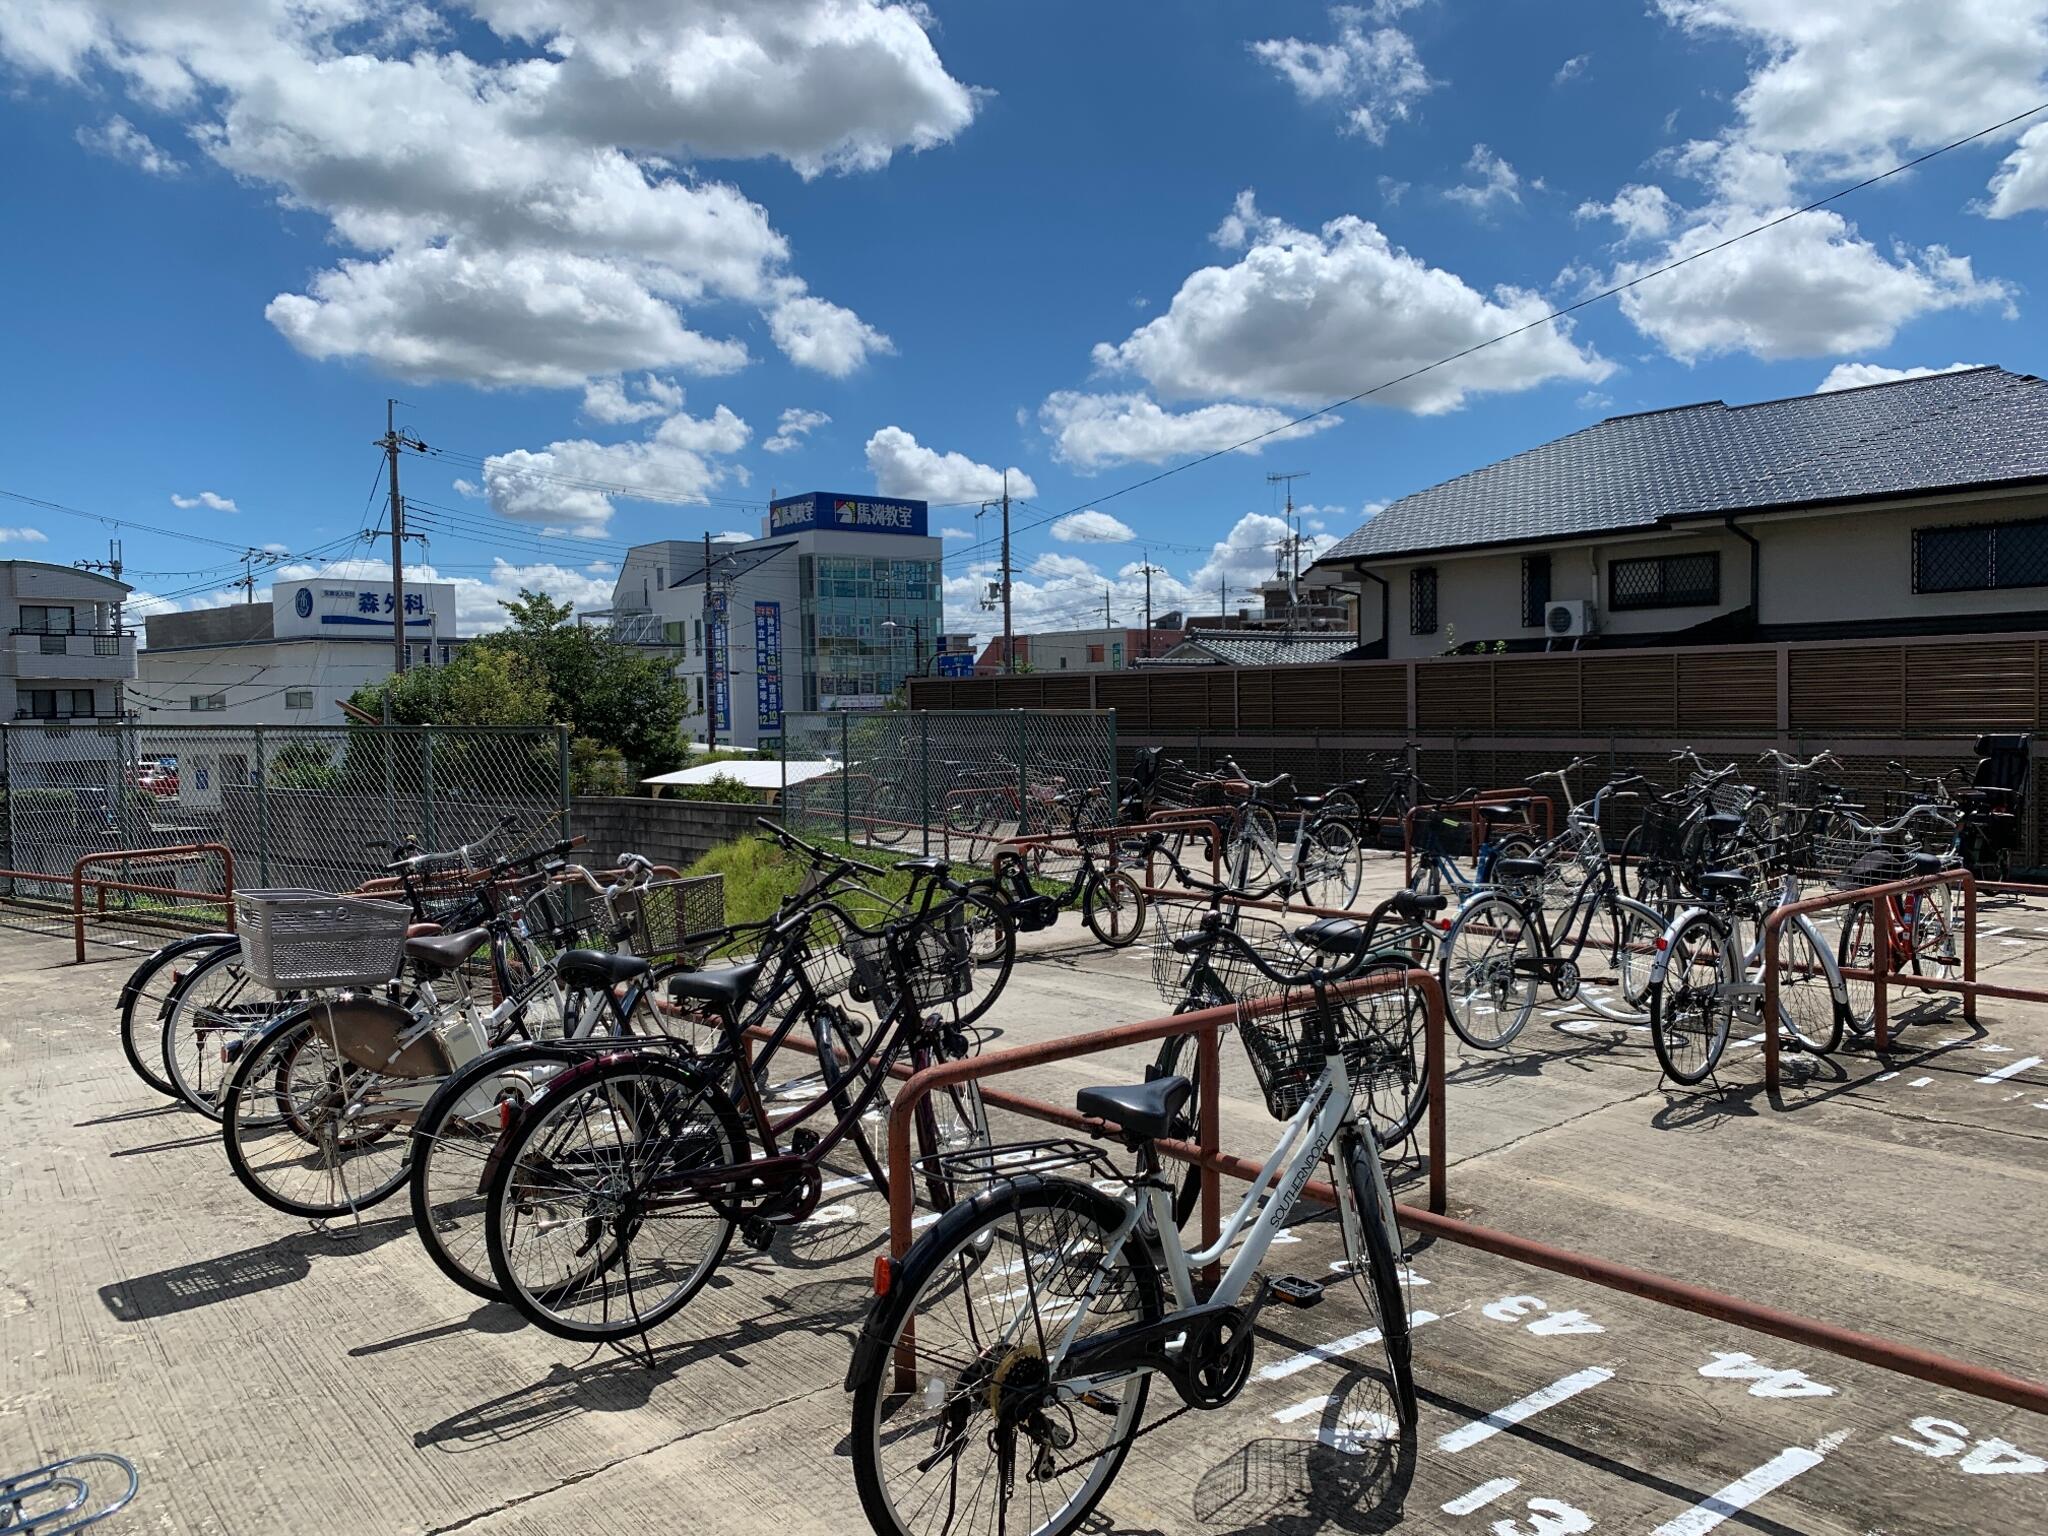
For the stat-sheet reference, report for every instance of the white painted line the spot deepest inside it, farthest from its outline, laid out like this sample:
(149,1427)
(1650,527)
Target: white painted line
(2010,1069)
(1581,1026)
(1481,1496)
(1992,933)
(2013,943)
(832,1185)
(1302,1410)
(1748,1488)
(1294,1365)
(1561,1390)
(1920,1082)
(1351,1437)
(1884,1077)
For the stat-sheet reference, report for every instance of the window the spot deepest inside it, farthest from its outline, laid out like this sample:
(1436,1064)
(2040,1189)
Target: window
(58,704)
(1535,589)
(1978,557)
(208,703)
(696,637)
(298,698)
(1095,653)
(700,697)
(1665,581)
(447,652)
(1422,600)
(44,620)
(81,703)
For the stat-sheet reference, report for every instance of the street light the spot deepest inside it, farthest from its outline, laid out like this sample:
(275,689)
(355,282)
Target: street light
(916,641)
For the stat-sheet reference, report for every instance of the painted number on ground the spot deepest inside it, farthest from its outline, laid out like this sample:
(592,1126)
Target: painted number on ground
(1764,1380)
(1941,1439)
(1543,1322)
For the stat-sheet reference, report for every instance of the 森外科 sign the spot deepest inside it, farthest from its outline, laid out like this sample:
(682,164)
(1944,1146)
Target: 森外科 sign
(823,511)
(768,666)
(359,605)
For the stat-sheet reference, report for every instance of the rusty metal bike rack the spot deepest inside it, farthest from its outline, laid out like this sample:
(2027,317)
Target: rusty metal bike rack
(1887,1354)
(224,896)
(1471,801)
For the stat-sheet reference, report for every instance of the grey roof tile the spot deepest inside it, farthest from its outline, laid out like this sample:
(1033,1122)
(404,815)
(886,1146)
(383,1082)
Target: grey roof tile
(1979,427)
(1263,648)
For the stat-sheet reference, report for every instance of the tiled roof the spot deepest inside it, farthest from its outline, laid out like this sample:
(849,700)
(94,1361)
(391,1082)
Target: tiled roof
(1946,431)
(1262,648)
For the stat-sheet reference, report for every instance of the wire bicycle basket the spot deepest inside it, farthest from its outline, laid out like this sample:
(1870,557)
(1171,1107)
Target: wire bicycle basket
(1287,1044)
(298,941)
(932,963)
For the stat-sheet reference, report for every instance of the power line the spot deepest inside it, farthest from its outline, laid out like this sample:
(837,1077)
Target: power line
(1556,314)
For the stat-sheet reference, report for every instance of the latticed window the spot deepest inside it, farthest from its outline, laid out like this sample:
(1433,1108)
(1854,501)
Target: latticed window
(1665,581)
(1535,589)
(1422,600)
(1980,557)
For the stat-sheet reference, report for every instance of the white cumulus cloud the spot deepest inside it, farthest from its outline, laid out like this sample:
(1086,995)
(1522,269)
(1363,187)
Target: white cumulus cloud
(795,425)
(1304,317)
(815,333)
(211,500)
(1856,375)
(119,139)
(1368,68)
(573,484)
(902,466)
(617,400)
(23,536)
(1495,181)
(1092,527)
(1091,431)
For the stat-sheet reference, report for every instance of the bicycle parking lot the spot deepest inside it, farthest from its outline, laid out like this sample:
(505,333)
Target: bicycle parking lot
(266,1377)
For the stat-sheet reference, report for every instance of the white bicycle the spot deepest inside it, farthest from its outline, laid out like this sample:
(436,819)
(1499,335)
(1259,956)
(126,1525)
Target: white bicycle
(1003,1372)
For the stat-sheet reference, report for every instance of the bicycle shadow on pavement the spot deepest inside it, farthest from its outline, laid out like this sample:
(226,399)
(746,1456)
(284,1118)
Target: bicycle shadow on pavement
(1351,1471)
(185,1287)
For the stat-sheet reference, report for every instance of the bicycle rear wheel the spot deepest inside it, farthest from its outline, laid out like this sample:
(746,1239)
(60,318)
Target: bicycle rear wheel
(956,1426)
(1113,905)
(1624,938)
(210,1016)
(590,1233)
(1332,865)
(1489,965)
(1806,993)
(1856,949)
(1378,1273)
(146,994)
(1690,1008)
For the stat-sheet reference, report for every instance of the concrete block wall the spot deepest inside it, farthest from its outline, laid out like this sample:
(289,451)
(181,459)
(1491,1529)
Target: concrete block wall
(675,832)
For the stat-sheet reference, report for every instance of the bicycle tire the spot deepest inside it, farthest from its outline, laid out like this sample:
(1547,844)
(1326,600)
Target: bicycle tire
(282,1097)
(635,1095)
(1690,1011)
(951,1254)
(215,1009)
(1807,1008)
(992,932)
(1114,906)
(143,998)
(1489,994)
(1633,929)
(1854,950)
(1333,864)
(1628,874)
(1380,1230)
(447,1204)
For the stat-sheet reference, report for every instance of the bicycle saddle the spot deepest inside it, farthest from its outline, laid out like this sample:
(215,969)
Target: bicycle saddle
(931,865)
(1335,936)
(1416,905)
(1502,810)
(1518,869)
(1925,863)
(1309,802)
(446,951)
(1140,1110)
(593,967)
(726,986)
(1725,822)
(1726,882)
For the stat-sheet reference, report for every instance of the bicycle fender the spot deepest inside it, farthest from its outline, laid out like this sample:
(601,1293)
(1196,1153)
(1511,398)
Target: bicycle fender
(1663,961)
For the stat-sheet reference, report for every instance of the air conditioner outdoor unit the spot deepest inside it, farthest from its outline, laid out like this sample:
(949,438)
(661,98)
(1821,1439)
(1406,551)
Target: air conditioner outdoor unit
(1563,620)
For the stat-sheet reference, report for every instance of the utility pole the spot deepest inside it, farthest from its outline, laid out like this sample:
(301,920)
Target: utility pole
(1105,606)
(1293,573)
(1148,605)
(391,442)
(1001,589)
(710,650)
(112,566)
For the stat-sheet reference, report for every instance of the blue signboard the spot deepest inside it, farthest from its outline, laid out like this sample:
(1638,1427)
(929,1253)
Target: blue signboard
(768,666)
(720,687)
(825,511)
(957,664)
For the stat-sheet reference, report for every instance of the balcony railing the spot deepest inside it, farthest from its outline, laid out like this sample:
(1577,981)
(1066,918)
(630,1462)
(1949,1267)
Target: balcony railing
(57,642)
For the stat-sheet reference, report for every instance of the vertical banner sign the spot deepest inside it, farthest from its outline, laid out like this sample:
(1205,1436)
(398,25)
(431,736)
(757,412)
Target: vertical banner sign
(715,659)
(768,665)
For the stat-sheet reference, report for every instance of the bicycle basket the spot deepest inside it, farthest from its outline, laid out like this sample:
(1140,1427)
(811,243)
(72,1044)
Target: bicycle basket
(1849,857)
(294,941)
(933,961)
(1664,836)
(1377,1033)
(1235,971)
(666,919)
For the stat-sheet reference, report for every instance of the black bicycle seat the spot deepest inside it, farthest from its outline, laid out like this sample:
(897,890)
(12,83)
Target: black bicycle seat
(1140,1110)
(1726,882)
(725,986)
(446,951)
(1309,802)
(1416,906)
(1926,863)
(1725,822)
(1502,810)
(931,865)
(1518,869)
(593,967)
(1336,936)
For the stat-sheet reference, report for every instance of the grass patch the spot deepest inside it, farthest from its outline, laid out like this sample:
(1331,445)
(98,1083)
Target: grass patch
(760,873)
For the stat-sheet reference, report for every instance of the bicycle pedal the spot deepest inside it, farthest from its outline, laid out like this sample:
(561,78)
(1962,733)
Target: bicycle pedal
(757,1234)
(1296,1291)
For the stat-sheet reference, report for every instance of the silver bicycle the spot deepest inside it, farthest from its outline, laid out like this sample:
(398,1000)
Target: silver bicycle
(1003,1372)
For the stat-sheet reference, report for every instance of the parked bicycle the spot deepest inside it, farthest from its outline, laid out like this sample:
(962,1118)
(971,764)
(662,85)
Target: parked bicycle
(1002,1374)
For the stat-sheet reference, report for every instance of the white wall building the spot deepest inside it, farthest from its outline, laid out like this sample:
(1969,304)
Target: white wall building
(67,656)
(290,661)
(832,608)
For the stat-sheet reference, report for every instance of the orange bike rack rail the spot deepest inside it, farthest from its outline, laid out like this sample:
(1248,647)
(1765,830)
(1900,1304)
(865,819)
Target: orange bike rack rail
(225,895)
(1887,1354)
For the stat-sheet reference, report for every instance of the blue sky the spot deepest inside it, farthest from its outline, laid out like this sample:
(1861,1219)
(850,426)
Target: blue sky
(595,244)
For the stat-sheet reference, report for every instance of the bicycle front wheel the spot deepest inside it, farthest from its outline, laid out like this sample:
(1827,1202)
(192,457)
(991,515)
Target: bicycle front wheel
(216,1011)
(1856,949)
(1806,990)
(1113,905)
(1332,865)
(147,994)
(1690,1005)
(613,1203)
(1375,1264)
(962,1420)
(1623,938)
(1489,965)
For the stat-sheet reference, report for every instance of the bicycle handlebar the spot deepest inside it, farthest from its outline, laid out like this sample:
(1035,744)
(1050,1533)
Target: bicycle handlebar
(818,856)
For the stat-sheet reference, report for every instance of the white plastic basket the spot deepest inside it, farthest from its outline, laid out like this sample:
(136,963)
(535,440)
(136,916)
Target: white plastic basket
(295,941)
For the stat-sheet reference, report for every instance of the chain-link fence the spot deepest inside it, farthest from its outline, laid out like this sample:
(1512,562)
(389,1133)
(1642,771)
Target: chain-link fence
(948,782)
(307,807)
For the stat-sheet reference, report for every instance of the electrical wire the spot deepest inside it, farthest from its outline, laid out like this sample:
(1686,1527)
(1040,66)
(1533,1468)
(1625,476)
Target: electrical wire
(1612,291)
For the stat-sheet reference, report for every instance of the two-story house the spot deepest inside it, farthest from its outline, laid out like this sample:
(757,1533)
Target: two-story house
(67,657)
